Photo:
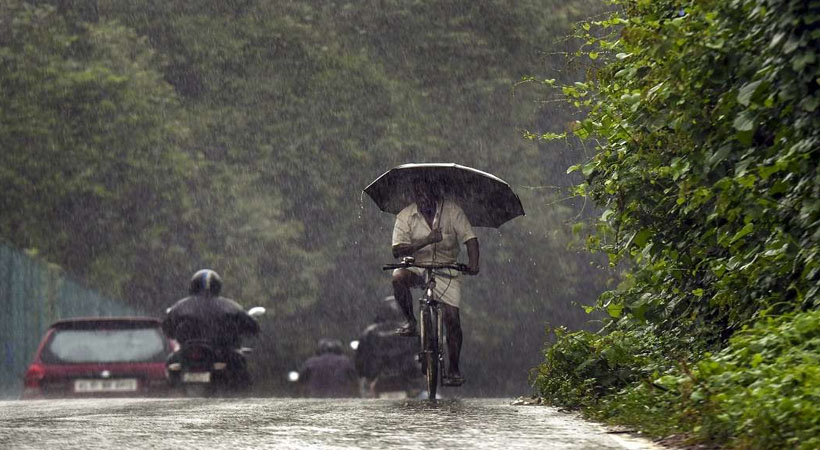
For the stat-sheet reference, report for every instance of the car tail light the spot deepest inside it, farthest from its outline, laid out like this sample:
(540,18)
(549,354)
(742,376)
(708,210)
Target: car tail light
(34,375)
(31,383)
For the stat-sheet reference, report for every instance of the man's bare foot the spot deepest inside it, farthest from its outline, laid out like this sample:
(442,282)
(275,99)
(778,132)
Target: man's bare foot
(408,329)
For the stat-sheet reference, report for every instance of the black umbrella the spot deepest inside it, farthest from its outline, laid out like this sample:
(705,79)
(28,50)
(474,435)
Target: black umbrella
(487,200)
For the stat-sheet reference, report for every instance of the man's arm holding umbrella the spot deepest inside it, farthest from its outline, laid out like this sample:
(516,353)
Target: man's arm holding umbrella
(404,245)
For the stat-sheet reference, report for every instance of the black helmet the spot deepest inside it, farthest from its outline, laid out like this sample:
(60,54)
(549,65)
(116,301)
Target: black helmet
(330,346)
(206,282)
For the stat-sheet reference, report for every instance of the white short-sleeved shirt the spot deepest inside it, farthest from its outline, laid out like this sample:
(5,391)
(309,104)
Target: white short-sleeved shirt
(411,227)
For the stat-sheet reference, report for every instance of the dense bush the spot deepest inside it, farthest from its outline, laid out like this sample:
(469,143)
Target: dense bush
(763,391)
(583,367)
(703,115)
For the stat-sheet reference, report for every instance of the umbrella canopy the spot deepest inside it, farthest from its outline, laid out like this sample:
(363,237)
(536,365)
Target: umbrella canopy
(487,200)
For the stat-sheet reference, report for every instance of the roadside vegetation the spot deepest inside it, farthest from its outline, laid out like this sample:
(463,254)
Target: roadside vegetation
(703,117)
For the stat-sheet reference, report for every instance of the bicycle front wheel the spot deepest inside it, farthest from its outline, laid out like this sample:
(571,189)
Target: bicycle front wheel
(430,347)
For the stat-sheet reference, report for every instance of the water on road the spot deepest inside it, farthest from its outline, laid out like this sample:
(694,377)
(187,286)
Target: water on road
(296,424)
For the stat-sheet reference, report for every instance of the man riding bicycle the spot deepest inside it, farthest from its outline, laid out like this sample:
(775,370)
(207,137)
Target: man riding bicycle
(431,230)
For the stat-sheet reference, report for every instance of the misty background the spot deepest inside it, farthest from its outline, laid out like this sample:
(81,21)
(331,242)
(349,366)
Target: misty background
(144,140)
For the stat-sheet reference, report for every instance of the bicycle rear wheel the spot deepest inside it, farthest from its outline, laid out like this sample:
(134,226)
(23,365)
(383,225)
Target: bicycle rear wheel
(430,347)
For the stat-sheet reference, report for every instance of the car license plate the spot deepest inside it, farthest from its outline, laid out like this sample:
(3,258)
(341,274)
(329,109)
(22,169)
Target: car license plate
(112,385)
(196,377)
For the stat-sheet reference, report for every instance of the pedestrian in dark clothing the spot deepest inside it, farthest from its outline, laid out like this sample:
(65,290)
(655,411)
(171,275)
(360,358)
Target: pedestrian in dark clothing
(330,373)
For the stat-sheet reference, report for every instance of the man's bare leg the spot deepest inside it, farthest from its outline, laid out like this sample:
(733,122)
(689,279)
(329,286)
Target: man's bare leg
(402,281)
(452,321)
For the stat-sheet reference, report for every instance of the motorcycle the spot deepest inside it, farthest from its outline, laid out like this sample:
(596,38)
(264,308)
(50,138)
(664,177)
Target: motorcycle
(393,372)
(200,369)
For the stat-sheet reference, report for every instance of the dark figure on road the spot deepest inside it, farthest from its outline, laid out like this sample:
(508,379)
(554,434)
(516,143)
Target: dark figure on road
(205,316)
(330,373)
(432,230)
(385,361)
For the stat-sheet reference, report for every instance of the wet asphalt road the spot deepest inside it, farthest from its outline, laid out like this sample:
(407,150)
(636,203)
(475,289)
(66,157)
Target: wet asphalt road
(296,423)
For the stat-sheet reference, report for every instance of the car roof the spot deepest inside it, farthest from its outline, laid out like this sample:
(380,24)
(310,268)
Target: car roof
(106,322)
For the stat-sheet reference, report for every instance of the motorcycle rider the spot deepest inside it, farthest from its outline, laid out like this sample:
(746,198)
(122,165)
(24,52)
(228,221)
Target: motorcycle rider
(385,361)
(329,373)
(205,316)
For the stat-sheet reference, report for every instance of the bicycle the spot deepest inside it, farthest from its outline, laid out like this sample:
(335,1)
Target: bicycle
(430,312)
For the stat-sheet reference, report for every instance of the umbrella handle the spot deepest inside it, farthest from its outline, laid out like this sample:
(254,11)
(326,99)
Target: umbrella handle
(437,217)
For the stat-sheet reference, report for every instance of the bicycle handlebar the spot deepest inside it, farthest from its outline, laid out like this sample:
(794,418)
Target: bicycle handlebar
(404,265)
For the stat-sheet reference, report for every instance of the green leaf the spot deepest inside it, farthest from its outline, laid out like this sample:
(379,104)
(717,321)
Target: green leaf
(552,136)
(615,310)
(640,312)
(719,155)
(811,103)
(589,167)
(578,227)
(746,92)
(747,181)
(766,171)
(745,121)
(716,44)
(748,228)
(641,237)
(806,58)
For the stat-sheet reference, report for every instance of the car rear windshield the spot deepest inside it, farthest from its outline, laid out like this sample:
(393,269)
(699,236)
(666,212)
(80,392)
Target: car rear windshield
(98,346)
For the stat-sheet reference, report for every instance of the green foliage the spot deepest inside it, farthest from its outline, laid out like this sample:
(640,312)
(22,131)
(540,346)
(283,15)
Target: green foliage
(144,140)
(703,116)
(583,368)
(763,390)
(90,136)
(706,163)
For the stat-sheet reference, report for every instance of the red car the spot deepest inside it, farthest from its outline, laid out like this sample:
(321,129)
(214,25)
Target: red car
(100,357)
